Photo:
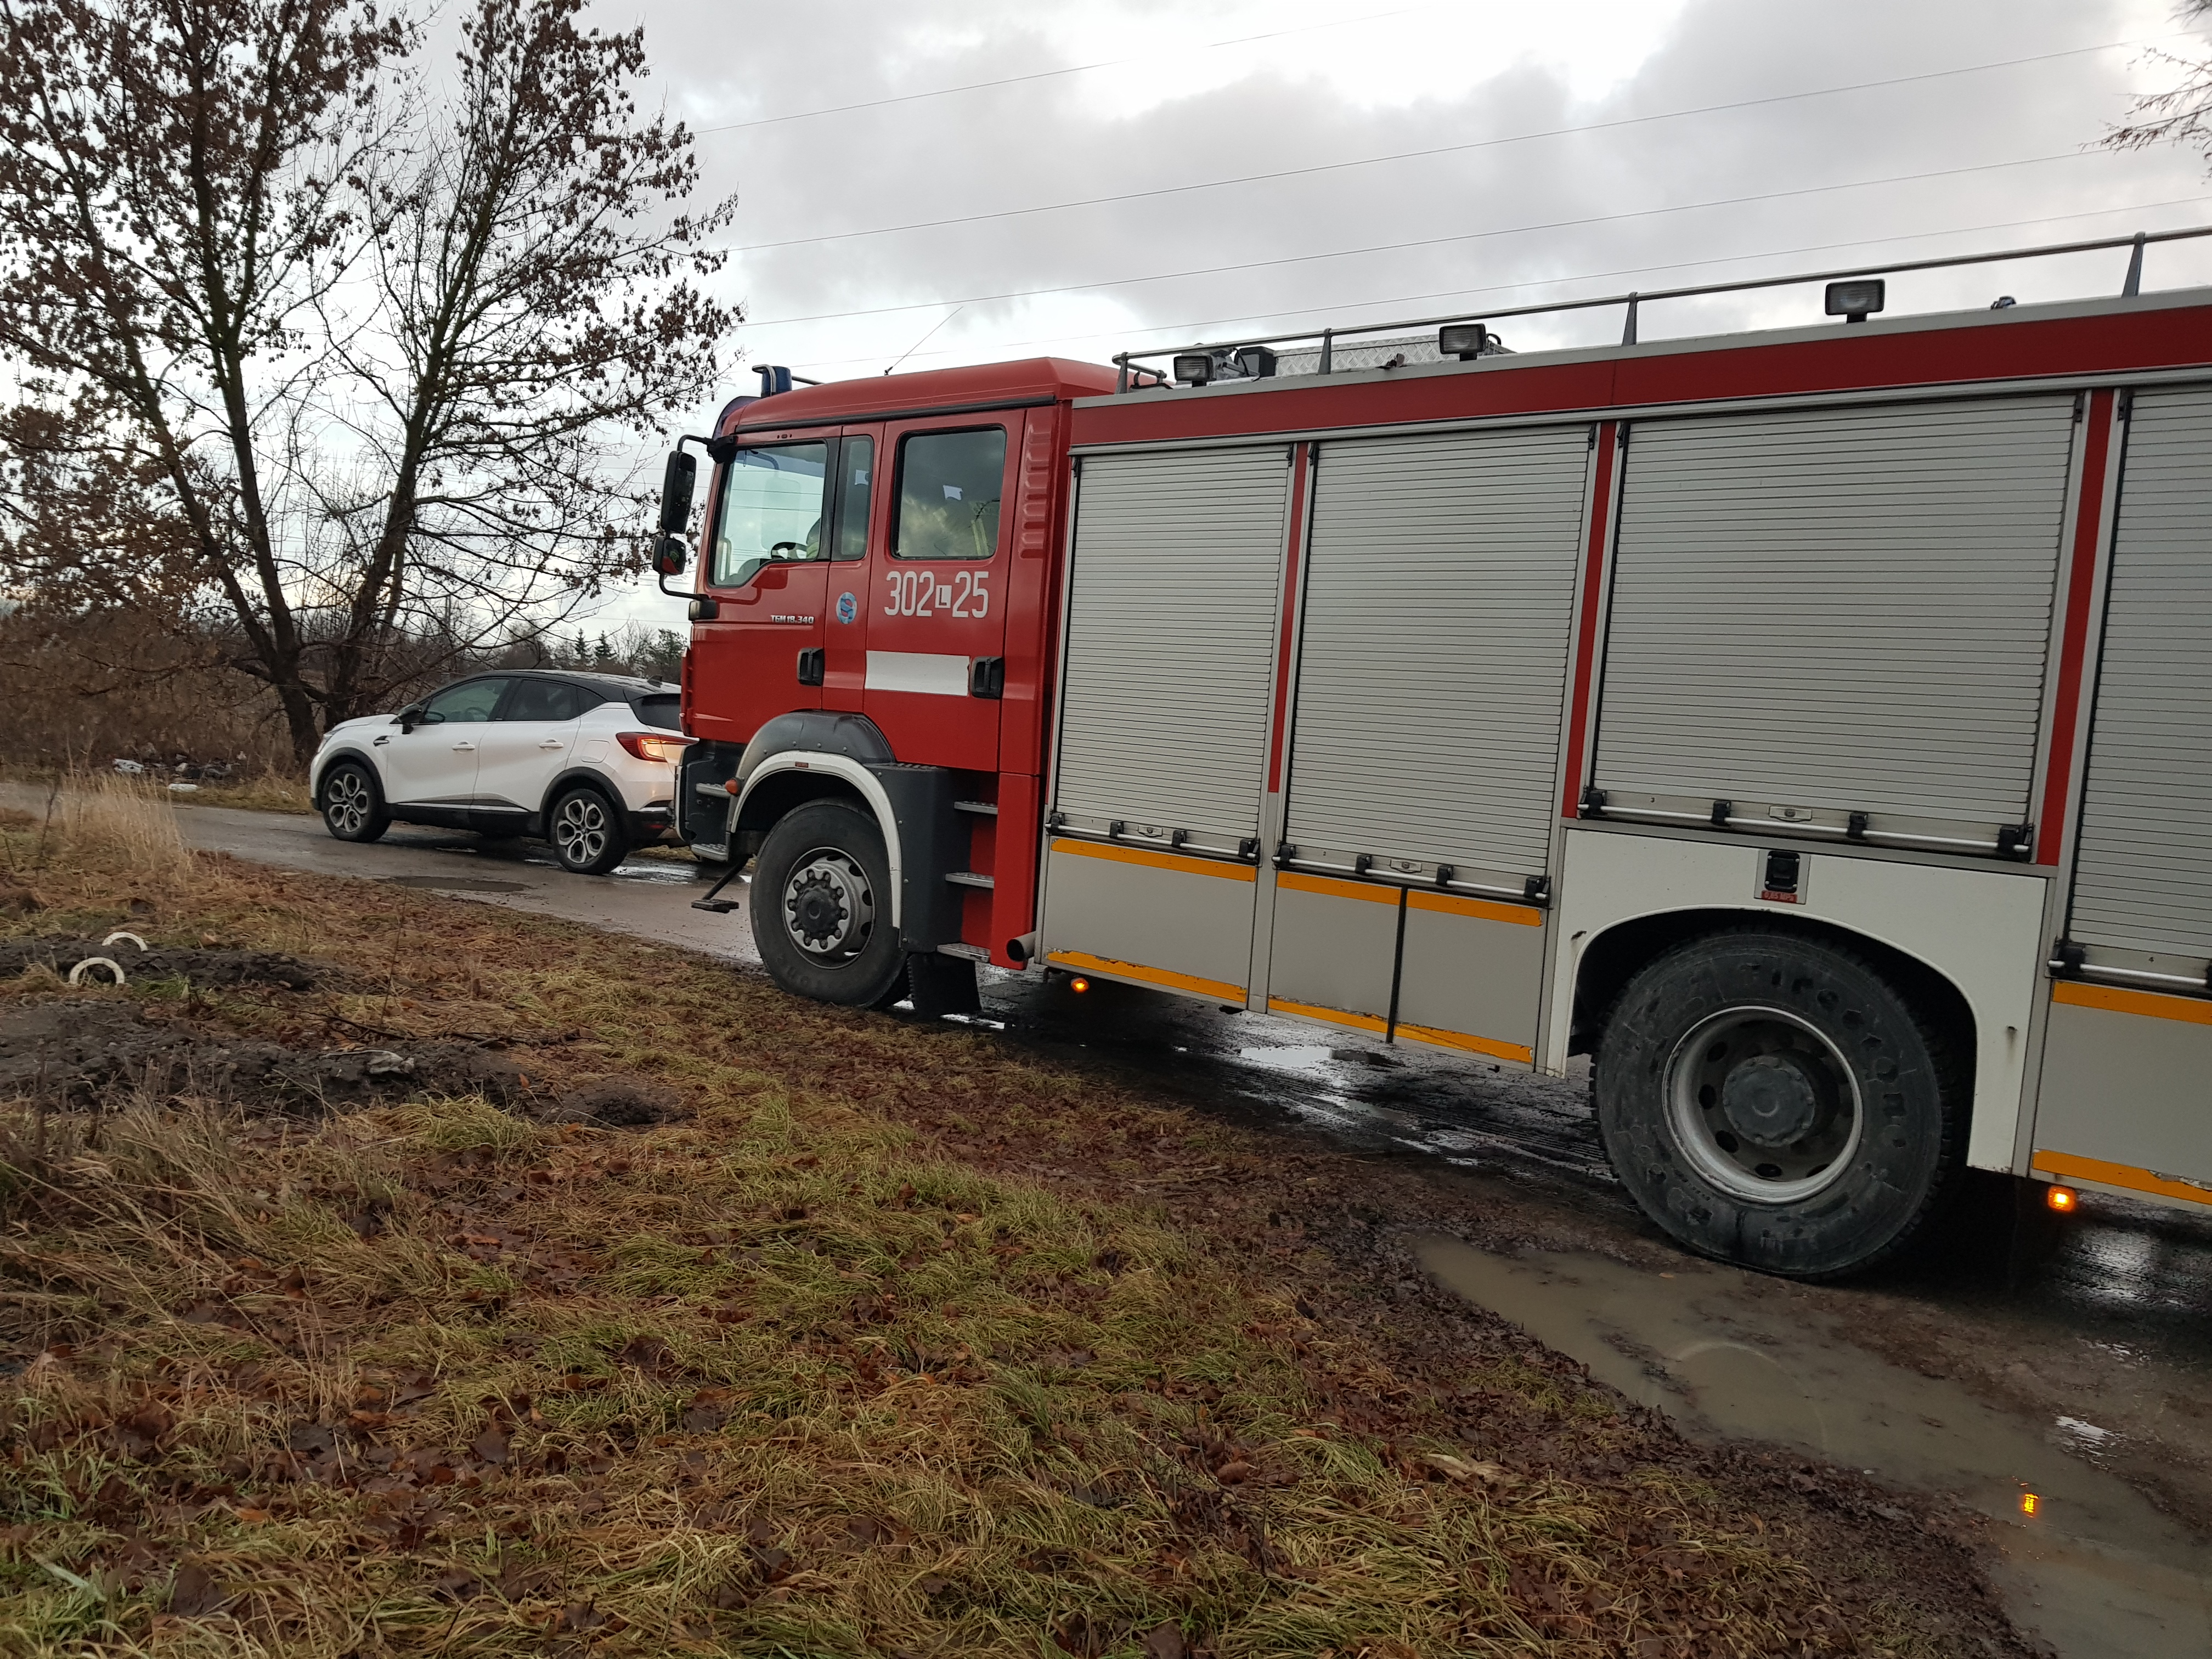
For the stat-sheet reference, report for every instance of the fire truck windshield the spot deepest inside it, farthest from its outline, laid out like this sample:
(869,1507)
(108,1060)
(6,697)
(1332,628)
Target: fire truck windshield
(770,509)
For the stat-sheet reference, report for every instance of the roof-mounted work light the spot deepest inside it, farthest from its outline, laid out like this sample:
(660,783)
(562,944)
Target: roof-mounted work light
(1464,341)
(1257,362)
(1195,367)
(1856,301)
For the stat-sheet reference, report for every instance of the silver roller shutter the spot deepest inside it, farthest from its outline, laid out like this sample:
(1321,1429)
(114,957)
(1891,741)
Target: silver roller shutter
(2143,879)
(1172,616)
(1433,664)
(1845,608)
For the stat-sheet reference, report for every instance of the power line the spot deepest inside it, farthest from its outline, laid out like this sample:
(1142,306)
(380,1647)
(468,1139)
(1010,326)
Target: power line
(1430,242)
(1581,277)
(1418,155)
(1048,74)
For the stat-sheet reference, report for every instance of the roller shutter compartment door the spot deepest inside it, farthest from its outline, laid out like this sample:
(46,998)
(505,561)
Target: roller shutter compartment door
(1433,662)
(2143,874)
(1171,623)
(1173,601)
(1836,611)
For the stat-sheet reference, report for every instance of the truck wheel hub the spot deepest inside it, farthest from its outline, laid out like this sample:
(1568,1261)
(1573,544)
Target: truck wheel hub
(1769,1101)
(1762,1105)
(827,905)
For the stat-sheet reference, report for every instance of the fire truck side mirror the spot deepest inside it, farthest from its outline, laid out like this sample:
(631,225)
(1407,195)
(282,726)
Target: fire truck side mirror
(676,496)
(668,557)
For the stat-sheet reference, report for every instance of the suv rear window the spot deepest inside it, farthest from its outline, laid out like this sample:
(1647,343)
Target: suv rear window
(664,709)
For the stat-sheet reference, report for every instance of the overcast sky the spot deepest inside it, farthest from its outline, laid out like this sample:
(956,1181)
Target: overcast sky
(1100,198)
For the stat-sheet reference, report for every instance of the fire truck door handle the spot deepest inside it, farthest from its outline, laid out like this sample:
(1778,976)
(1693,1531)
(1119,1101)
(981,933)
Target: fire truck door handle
(810,665)
(987,677)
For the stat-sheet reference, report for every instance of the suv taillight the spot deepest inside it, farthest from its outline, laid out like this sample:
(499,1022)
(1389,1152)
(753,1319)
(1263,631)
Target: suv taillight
(664,746)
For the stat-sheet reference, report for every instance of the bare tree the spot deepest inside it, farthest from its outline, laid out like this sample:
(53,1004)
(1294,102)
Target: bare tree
(356,362)
(534,314)
(2180,115)
(173,201)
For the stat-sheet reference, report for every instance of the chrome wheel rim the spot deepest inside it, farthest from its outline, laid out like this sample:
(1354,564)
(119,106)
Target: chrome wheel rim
(1764,1105)
(346,803)
(579,829)
(828,906)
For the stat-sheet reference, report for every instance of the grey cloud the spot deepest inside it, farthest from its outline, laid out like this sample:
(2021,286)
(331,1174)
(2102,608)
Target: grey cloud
(1041,142)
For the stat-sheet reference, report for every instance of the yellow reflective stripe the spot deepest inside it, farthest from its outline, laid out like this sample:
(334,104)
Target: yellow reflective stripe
(1187,865)
(2119,999)
(1451,904)
(2121,1175)
(1333,1016)
(1219,990)
(1490,1045)
(1330,887)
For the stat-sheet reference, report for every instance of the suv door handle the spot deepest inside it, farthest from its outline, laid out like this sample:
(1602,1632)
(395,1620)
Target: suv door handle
(464,748)
(554,743)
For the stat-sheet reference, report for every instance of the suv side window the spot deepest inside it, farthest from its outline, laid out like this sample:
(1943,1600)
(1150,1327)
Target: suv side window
(948,495)
(469,702)
(664,709)
(545,700)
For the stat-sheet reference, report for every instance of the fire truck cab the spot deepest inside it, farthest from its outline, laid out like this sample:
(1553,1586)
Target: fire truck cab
(1809,724)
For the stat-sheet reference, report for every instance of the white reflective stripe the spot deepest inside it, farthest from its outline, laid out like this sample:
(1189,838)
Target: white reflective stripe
(927,672)
(862,779)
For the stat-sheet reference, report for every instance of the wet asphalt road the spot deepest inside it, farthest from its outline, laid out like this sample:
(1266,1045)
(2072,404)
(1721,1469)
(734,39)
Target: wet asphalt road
(2078,1372)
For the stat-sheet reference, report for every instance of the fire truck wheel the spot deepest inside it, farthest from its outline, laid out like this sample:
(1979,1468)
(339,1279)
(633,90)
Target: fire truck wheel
(1773,1101)
(352,806)
(586,832)
(821,906)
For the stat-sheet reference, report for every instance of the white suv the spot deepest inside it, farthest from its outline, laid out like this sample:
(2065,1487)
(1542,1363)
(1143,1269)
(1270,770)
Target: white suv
(584,760)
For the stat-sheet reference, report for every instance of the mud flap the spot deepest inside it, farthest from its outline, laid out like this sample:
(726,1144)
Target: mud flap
(932,841)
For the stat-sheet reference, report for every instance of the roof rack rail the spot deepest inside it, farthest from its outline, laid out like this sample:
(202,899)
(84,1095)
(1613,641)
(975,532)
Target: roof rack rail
(1329,338)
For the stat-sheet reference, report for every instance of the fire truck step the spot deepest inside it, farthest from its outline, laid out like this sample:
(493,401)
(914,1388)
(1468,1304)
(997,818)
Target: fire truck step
(984,807)
(968,879)
(714,901)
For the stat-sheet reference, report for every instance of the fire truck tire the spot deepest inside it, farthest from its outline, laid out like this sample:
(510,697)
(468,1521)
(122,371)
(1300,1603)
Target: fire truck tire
(1773,1101)
(352,806)
(821,908)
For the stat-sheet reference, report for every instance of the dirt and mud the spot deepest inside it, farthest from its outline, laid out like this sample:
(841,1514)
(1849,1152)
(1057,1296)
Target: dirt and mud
(1339,1234)
(2063,1366)
(1349,1167)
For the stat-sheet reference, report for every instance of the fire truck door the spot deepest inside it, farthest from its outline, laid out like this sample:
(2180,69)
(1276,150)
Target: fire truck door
(1173,610)
(934,601)
(767,569)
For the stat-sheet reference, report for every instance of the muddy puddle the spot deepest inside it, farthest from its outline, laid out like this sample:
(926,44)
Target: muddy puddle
(2083,1560)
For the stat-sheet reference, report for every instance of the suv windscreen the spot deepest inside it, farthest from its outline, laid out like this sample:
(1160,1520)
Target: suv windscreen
(770,510)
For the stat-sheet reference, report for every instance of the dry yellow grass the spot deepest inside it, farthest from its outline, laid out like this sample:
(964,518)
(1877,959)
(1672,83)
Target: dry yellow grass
(789,1376)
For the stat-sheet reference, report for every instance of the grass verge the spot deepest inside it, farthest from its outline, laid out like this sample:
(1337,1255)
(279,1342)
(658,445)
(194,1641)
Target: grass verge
(883,1341)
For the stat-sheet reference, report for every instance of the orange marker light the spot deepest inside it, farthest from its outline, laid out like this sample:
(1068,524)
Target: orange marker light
(2061,1199)
(1078,983)
(2029,1503)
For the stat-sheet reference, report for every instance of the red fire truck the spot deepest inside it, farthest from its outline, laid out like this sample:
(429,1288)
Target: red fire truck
(1813,725)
